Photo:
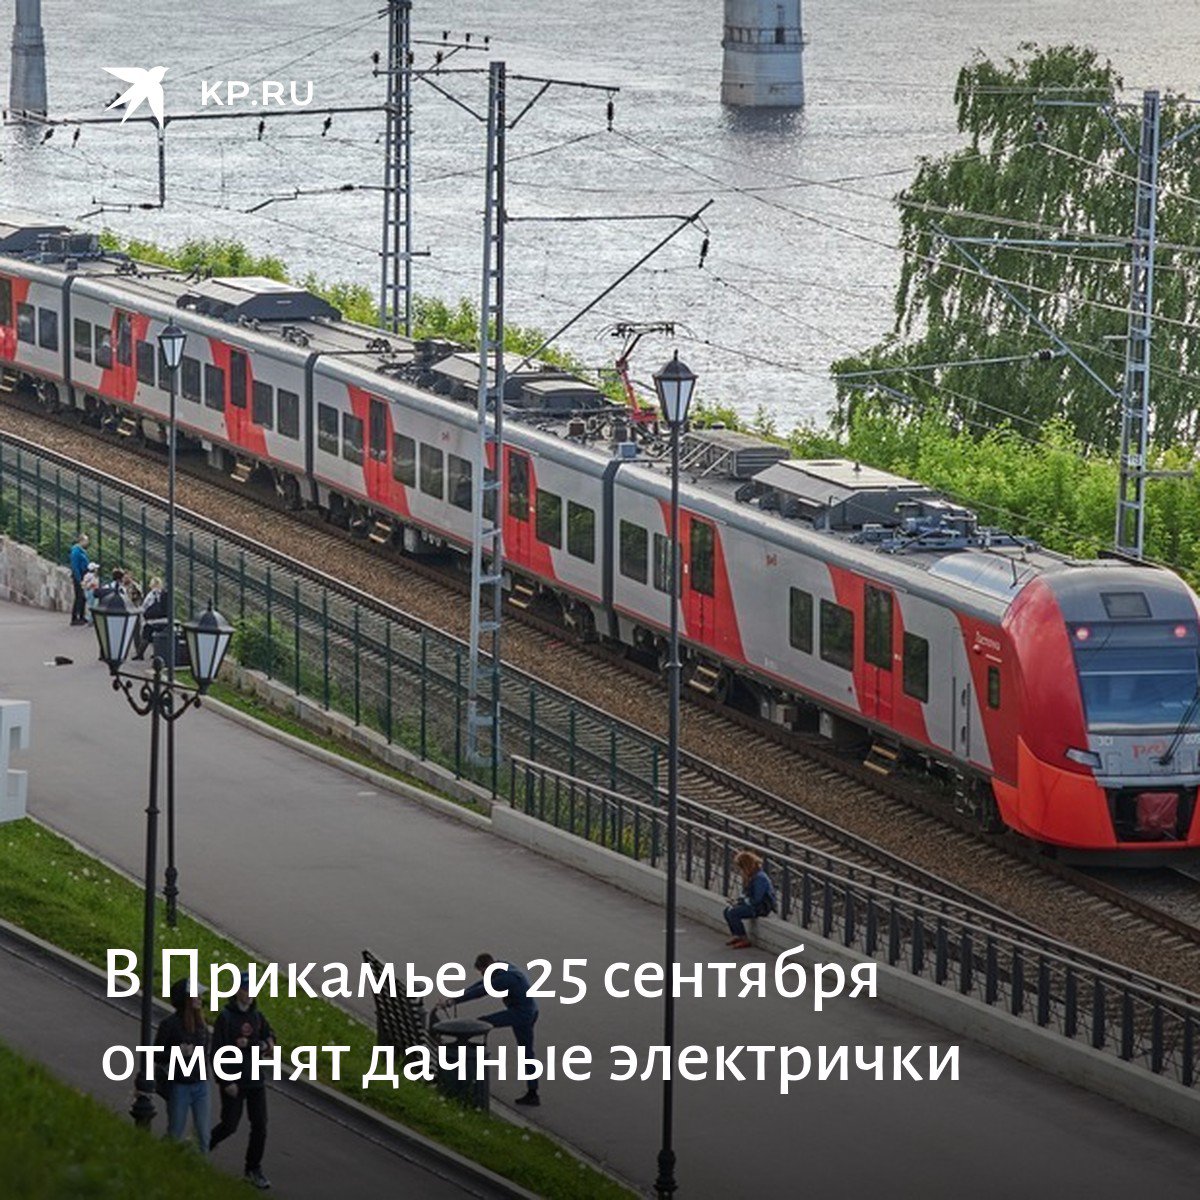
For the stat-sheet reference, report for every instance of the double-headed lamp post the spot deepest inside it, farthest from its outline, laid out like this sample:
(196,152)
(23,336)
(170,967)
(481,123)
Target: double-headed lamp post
(674,385)
(171,342)
(152,695)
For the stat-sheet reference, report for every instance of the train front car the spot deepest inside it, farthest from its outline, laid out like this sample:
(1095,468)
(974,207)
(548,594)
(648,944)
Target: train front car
(1109,737)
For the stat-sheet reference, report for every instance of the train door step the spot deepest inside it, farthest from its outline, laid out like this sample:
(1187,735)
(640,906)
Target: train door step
(127,426)
(522,594)
(381,532)
(705,679)
(242,470)
(882,759)
(8,382)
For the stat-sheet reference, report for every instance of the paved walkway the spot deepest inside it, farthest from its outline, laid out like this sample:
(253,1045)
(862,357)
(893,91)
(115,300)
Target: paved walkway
(306,863)
(57,1014)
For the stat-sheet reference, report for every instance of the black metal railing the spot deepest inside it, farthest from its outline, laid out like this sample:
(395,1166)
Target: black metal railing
(1142,1021)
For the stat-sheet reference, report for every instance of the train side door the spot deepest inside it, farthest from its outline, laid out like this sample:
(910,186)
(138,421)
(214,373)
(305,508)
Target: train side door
(961,703)
(699,585)
(878,653)
(376,461)
(517,500)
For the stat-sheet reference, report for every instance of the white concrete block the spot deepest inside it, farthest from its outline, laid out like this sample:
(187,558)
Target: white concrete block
(14,736)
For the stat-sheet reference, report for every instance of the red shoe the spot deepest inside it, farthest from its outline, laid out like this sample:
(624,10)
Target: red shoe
(740,943)
(732,941)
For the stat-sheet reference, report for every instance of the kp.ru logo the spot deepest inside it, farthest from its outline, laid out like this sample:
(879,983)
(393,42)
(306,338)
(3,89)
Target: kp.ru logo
(146,87)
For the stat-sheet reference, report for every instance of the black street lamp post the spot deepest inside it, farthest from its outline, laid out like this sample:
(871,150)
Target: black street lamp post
(154,696)
(674,385)
(171,342)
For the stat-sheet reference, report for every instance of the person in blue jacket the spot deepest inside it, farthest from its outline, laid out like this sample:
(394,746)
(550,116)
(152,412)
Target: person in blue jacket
(757,899)
(520,1012)
(80,562)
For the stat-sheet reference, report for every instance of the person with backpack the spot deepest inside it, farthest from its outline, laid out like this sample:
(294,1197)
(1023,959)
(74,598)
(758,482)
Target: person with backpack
(185,1091)
(241,1024)
(757,899)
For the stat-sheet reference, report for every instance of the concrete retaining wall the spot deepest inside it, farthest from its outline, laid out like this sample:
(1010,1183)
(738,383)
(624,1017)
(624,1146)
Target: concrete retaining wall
(1073,1061)
(27,578)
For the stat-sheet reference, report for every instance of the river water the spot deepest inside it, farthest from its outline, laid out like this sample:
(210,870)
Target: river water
(801,267)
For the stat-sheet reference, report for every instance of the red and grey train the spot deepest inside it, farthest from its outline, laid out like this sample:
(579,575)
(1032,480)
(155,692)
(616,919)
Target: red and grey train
(1062,695)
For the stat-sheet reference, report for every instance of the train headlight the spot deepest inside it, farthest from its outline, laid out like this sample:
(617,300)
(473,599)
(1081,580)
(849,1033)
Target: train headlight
(1085,758)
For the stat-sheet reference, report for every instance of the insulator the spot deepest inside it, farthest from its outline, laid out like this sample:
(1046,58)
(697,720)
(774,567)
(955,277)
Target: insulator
(609,112)
(704,250)
(262,128)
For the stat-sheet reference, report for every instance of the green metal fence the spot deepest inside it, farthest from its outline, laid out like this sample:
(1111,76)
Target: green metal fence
(331,644)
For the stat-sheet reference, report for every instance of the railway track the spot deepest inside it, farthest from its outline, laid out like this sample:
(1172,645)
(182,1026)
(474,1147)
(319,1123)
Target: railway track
(784,783)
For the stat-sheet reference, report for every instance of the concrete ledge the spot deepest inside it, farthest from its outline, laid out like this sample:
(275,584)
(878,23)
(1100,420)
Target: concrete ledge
(379,779)
(1073,1061)
(312,716)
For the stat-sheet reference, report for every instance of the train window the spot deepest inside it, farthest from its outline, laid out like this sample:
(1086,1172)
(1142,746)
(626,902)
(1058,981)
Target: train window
(47,329)
(702,538)
(83,340)
(432,471)
(237,379)
(103,347)
(5,301)
(145,362)
(549,518)
(327,429)
(877,630)
(635,547)
(352,438)
(916,667)
(25,323)
(189,378)
(1122,606)
(214,387)
(289,413)
(581,531)
(404,460)
(518,487)
(262,404)
(993,687)
(458,480)
(377,443)
(124,339)
(800,620)
(837,635)
(662,564)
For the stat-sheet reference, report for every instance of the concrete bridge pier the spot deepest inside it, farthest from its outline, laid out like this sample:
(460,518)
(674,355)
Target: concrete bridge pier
(27,82)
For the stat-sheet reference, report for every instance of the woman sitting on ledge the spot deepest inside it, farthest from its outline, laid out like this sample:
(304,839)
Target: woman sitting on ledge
(757,899)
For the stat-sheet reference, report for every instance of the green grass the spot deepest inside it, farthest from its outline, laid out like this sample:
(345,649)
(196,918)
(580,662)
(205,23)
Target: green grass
(254,706)
(59,1144)
(59,893)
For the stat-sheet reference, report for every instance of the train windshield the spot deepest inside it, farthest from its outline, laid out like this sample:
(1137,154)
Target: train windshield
(1137,674)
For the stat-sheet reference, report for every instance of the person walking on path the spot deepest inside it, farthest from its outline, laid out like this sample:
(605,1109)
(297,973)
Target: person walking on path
(757,899)
(240,1023)
(520,1012)
(80,562)
(186,1090)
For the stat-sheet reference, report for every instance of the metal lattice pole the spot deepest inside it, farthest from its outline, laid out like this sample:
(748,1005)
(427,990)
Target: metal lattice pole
(487,542)
(395,289)
(1135,395)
